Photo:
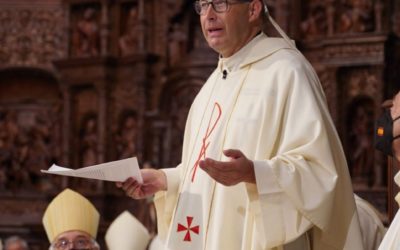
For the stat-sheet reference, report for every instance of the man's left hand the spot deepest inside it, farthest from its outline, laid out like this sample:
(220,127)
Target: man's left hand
(237,169)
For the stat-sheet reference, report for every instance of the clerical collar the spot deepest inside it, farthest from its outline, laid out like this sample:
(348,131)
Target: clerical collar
(233,62)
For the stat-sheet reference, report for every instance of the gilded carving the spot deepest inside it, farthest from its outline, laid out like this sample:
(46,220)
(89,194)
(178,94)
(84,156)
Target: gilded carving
(329,17)
(373,51)
(357,16)
(31,37)
(315,24)
(363,82)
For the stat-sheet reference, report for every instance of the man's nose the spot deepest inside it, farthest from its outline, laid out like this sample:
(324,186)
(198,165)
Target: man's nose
(210,12)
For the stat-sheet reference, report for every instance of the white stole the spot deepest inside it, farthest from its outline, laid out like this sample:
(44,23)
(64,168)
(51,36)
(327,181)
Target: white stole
(191,217)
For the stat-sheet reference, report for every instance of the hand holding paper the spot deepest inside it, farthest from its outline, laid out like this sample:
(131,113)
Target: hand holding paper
(154,180)
(117,171)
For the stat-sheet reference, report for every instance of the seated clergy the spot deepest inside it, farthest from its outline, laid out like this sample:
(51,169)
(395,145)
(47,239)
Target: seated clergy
(71,222)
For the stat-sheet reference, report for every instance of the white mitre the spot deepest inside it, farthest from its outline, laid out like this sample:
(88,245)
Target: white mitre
(127,233)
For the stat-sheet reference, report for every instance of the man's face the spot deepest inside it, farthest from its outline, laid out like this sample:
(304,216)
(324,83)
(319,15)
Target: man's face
(229,31)
(74,239)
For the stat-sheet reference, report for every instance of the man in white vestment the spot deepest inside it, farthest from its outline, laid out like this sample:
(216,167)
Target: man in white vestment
(262,165)
(387,139)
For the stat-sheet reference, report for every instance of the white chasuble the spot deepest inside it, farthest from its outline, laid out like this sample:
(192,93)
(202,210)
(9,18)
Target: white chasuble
(272,108)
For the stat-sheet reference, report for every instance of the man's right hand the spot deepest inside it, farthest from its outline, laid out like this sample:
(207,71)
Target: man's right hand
(153,181)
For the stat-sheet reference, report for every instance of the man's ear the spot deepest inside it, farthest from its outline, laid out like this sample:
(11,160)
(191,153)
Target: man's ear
(255,8)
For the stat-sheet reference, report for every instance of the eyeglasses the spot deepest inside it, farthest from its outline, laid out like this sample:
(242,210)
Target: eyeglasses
(80,243)
(219,6)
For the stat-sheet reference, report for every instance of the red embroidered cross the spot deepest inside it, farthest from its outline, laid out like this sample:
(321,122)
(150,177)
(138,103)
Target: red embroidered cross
(205,144)
(194,229)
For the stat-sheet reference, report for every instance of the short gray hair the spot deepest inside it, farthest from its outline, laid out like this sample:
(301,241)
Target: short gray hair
(15,239)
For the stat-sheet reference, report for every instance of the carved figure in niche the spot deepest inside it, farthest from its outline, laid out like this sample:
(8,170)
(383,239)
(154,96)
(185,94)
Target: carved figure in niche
(5,30)
(315,24)
(89,138)
(357,18)
(12,156)
(11,126)
(129,41)
(361,150)
(25,149)
(176,43)
(6,23)
(363,81)
(19,174)
(85,37)
(39,155)
(127,135)
(25,17)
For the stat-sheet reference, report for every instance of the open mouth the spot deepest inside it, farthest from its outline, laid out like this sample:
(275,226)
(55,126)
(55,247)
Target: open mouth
(214,30)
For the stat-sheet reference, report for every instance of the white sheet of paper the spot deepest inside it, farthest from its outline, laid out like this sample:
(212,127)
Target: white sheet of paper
(110,171)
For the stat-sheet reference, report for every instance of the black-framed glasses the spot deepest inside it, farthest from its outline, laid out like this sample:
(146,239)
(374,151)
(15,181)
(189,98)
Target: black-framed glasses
(218,6)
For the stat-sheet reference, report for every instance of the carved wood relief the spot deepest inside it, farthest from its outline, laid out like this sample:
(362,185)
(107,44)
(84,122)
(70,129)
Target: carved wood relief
(31,36)
(329,17)
(85,24)
(30,130)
